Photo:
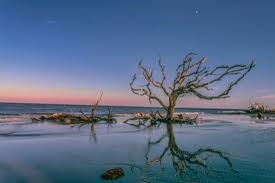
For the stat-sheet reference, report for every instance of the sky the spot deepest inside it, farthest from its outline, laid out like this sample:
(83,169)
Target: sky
(68,51)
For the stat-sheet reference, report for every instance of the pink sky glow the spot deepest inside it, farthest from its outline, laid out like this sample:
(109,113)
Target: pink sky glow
(109,98)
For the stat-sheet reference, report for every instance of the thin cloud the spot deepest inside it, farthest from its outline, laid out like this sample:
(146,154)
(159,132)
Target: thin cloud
(262,90)
(271,96)
(51,21)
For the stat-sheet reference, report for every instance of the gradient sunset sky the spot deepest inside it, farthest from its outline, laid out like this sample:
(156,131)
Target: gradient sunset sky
(68,51)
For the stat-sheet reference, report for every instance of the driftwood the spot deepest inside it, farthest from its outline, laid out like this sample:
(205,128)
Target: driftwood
(156,118)
(73,118)
(81,118)
(260,111)
(260,108)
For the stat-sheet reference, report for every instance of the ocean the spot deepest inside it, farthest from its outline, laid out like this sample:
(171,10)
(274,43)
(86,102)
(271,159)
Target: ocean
(52,152)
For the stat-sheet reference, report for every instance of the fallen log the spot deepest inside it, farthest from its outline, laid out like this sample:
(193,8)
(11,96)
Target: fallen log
(81,118)
(73,118)
(155,118)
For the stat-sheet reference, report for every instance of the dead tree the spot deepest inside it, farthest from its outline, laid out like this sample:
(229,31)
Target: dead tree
(93,111)
(192,77)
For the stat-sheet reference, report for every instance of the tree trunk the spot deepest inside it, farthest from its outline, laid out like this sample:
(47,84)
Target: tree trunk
(171,107)
(170,113)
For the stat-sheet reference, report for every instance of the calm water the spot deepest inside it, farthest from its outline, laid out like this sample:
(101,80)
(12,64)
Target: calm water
(51,152)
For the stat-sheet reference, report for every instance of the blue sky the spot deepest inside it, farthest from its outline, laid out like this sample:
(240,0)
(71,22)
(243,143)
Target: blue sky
(75,49)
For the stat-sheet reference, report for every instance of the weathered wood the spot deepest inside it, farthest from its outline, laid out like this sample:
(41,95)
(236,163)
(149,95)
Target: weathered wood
(76,118)
(156,118)
(73,118)
(192,77)
(256,108)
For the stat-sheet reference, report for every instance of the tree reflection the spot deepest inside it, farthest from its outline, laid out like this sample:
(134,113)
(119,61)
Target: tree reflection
(183,160)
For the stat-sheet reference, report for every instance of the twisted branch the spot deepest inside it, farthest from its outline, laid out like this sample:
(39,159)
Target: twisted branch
(192,77)
(93,111)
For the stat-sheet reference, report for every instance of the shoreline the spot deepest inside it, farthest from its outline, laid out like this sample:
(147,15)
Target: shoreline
(86,105)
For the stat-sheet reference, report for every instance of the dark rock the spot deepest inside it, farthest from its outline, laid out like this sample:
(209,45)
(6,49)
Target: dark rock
(113,173)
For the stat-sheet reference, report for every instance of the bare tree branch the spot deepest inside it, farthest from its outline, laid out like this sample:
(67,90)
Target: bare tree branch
(93,111)
(145,91)
(192,77)
(194,86)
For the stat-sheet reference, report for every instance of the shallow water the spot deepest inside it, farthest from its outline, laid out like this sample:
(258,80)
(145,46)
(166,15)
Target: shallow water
(50,152)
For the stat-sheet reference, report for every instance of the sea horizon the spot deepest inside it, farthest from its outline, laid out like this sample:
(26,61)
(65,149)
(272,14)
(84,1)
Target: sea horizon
(131,106)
